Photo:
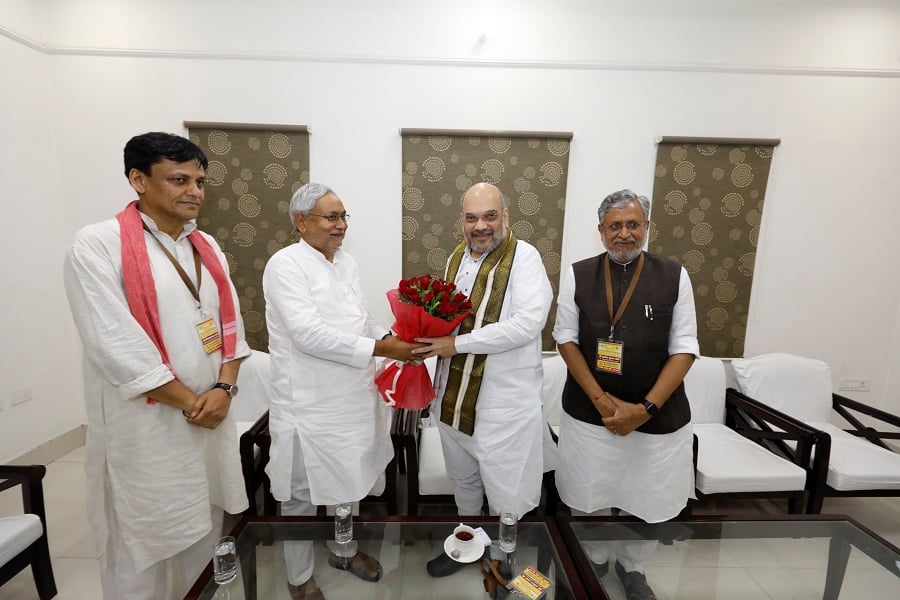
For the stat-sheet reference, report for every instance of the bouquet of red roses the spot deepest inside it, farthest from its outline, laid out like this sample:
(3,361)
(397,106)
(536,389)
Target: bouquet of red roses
(423,306)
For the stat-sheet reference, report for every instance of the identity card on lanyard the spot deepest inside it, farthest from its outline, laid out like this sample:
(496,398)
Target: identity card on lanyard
(610,351)
(209,335)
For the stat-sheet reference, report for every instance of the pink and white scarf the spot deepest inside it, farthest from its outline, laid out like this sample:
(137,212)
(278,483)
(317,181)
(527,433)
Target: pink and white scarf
(140,289)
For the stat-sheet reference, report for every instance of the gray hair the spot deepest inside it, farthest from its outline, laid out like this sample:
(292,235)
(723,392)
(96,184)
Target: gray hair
(306,197)
(619,200)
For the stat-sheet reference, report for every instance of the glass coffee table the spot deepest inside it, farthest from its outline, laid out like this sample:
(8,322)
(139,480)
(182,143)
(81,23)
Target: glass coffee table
(789,556)
(403,545)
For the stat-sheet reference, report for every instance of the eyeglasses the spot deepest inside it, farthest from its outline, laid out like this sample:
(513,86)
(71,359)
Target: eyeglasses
(630,226)
(332,218)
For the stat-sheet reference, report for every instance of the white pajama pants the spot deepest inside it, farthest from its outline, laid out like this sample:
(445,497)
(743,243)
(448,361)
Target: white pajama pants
(508,471)
(168,579)
(298,556)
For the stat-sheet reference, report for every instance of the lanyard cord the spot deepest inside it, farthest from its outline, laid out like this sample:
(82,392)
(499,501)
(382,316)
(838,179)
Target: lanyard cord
(609,295)
(181,272)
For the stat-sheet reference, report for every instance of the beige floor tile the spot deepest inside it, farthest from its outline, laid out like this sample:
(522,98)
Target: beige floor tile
(692,553)
(778,552)
(77,578)
(21,587)
(781,584)
(700,583)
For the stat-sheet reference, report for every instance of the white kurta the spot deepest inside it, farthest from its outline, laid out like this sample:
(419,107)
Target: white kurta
(509,424)
(162,474)
(321,341)
(648,475)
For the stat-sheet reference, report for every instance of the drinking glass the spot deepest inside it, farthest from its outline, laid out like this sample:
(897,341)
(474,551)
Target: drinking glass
(509,522)
(343,523)
(224,560)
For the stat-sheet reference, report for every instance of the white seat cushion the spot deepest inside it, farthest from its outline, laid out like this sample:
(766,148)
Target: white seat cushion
(255,387)
(794,385)
(433,479)
(17,533)
(801,387)
(705,389)
(727,462)
(858,464)
(242,427)
(555,373)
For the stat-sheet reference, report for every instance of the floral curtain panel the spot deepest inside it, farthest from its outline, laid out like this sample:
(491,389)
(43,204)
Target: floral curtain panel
(253,172)
(708,200)
(530,168)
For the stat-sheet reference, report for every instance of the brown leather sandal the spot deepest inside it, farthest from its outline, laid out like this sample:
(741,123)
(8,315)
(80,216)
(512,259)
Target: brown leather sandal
(362,565)
(306,591)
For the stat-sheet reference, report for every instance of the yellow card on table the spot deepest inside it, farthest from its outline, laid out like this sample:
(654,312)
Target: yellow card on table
(531,583)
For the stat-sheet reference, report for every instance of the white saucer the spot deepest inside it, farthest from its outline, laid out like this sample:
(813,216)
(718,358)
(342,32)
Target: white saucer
(466,557)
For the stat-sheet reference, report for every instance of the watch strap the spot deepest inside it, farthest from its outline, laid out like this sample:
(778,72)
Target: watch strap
(652,409)
(231,389)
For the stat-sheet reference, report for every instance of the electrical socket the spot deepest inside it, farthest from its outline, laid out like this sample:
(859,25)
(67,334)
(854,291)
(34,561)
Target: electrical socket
(854,385)
(20,396)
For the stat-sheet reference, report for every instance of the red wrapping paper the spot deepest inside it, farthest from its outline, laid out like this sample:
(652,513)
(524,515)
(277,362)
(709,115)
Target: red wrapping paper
(407,385)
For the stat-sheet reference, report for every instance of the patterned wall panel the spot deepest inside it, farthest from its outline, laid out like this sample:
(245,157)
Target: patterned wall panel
(707,209)
(251,177)
(438,168)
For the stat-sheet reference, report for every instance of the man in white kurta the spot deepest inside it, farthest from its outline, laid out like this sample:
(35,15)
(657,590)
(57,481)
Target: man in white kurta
(157,478)
(330,429)
(503,457)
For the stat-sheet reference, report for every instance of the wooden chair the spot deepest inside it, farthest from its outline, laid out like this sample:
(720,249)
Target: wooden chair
(251,412)
(23,538)
(254,443)
(850,460)
(735,452)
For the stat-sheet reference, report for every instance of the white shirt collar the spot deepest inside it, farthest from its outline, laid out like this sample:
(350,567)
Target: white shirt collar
(338,254)
(151,225)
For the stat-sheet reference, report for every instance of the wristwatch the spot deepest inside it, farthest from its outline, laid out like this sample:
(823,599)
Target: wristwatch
(652,409)
(231,389)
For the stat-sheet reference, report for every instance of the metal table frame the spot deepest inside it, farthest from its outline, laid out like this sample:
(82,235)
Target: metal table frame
(710,527)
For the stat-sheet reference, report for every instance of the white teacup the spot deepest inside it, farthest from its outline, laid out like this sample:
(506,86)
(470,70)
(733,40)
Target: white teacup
(464,539)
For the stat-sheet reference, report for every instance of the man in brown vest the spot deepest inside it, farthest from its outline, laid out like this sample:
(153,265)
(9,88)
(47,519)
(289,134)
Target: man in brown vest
(627,329)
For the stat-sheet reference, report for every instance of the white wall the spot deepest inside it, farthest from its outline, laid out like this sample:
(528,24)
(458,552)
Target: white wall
(39,350)
(824,79)
(24,18)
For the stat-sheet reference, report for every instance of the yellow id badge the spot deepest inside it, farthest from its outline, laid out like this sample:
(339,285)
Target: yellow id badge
(209,335)
(609,356)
